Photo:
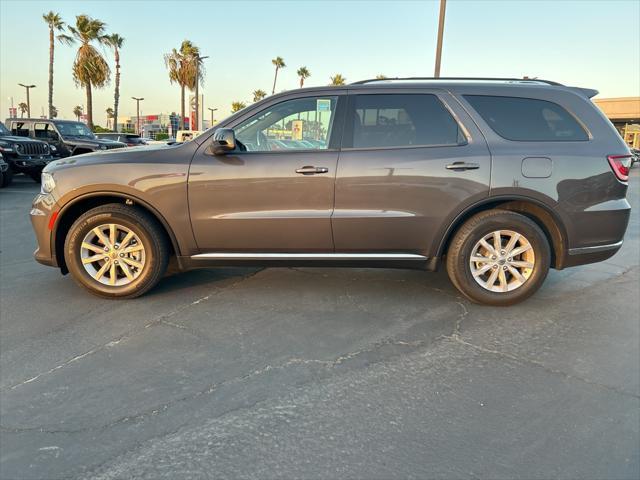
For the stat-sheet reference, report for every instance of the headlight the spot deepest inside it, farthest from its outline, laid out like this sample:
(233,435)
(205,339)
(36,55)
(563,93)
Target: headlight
(17,148)
(53,148)
(48,183)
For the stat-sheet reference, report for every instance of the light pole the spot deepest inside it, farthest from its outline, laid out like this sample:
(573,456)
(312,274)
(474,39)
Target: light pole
(197,112)
(28,87)
(443,7)
(212,110)
(138,100)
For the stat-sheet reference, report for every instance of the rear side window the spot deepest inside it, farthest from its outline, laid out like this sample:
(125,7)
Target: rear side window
(402,120)
(527,119)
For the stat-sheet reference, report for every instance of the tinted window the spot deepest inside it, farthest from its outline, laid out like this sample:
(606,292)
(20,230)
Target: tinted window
(44,131)
(402,120)
(527,119)
(300,124)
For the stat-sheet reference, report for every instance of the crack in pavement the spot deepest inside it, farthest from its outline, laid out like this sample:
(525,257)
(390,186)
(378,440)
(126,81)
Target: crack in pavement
(131,333)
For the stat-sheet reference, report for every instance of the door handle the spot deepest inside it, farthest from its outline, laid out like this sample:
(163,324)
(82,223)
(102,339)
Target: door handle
(311,170)
(459,166)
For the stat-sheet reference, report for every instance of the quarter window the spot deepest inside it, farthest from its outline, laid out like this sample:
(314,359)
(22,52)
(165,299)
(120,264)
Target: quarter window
(300,124)
(527,119)
(401,120)
(21,129)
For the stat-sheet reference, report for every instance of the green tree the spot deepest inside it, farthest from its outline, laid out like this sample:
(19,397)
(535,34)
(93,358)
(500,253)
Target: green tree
(115,41)
(237,106)
(90,69)
(278,62)
(380,76)
(303,74)
(338,80)
(55,23)
(23,107)
(182,70)
(259,95)
(77,111)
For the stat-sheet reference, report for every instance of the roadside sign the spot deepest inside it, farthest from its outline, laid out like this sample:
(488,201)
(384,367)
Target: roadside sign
(323,105)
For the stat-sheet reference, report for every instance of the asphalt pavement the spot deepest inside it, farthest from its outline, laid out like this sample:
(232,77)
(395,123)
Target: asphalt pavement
(316,373)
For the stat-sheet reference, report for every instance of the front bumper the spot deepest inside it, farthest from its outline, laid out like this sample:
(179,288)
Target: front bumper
(26,163)
(43,215)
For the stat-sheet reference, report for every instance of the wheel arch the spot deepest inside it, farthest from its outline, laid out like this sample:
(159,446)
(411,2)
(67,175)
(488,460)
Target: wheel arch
(543,215)
(76,207)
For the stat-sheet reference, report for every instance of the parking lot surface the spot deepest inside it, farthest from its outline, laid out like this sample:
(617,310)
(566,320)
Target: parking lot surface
(316,373)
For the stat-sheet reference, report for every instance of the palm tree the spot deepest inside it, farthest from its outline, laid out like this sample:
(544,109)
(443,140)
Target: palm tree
(110,115)
(303,73)
(23,107)
(53,111)
(337,80)
(55,23)
(380,76)
(237,106)
(259,95)
(115,41)
(77,111)
(182,69)
(89,68)
(279,63)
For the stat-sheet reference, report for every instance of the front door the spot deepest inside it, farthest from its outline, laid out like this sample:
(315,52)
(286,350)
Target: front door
(275,192)
(410,161)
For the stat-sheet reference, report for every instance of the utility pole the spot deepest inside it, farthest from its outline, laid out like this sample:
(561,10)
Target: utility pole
(28,87)
(443,7)
(212,110)
(138,100)
(197,112)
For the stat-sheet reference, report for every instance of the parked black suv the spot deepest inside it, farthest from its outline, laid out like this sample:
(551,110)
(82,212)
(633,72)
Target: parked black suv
(23,155)
(498,180)
(69,137)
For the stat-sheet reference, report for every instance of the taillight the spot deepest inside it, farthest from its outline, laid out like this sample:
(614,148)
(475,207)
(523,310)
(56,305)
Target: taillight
(620,164)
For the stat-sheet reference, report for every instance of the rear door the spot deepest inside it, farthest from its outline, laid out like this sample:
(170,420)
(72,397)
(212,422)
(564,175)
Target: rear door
(411,160)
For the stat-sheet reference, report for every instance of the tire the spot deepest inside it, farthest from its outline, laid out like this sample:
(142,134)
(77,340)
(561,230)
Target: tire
(7,178)
(146,266)
(508,289)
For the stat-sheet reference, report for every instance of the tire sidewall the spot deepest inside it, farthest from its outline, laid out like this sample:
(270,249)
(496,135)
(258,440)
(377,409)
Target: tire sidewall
(74,263)
(517,223)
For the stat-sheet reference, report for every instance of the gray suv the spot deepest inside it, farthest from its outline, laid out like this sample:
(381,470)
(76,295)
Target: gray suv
(499,179)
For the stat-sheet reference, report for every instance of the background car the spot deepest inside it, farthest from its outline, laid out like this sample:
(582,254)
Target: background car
(130,139)
(4,167)
(24,155)
(67,136)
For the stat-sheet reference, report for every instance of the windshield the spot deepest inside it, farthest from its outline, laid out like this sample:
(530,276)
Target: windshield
(4,130)
(74,129)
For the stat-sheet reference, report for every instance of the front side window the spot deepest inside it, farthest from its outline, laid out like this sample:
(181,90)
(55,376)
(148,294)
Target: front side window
(527,119)
(300,124)
(44,131)
(403,120)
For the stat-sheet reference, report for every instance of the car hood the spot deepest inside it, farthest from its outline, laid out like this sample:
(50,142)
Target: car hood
(119,155)
(16,139)
(91,141)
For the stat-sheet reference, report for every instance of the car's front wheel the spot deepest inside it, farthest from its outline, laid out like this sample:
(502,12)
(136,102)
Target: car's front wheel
(498,258)
(116,251)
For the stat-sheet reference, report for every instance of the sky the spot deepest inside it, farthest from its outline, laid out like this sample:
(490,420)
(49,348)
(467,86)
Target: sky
(588,43)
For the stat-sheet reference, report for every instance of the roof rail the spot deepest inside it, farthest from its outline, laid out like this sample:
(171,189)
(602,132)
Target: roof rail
(471,79)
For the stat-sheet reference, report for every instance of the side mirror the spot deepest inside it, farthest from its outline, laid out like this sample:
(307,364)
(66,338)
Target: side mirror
(224,140)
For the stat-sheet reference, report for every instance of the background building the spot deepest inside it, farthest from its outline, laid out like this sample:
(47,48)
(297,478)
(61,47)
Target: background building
(624,113)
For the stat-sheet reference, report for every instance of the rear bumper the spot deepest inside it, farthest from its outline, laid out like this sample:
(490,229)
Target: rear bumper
(593,254)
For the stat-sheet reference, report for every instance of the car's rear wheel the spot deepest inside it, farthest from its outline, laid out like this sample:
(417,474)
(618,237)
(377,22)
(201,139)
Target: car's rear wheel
(116,251)
(498,257)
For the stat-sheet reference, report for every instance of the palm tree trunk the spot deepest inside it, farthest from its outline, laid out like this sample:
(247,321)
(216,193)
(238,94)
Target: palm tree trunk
(181,107)
(274,82)
(301,81)
(51,42)
(89,106)
(116,96)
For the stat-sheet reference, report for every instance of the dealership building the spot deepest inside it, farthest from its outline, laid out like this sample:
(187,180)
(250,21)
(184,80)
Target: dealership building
(624,113)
